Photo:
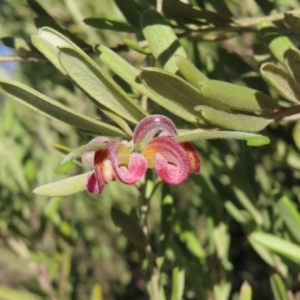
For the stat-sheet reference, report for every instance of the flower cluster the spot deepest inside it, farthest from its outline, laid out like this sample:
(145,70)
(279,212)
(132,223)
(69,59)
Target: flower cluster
(153,146)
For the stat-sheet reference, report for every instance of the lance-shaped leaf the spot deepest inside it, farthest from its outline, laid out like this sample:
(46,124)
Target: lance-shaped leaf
(278,288)
(95,82)
(50,108)
(66,168)
(64,187)
(118,120)
(130,12)
(42,22)
(180,9)
(290,216)
(173,90)
(38,9)
(189,240)
(136,47)
(252,139)
(236,96)
(111,25)
(292,63)
(277,245)
(281,81)
(162,40)
(20,45)
(129,228)
(275,40)
(189,71)
(246,291)
(293,20)
(47,41)
(131,75)
(233,121)
(296,134)
(178,278)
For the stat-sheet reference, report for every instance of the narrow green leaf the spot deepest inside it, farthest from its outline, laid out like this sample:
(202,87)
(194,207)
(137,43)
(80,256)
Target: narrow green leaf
(38,9)
(111,25)
(65,168)
(296,134)
(173,90)
(48,107)
(50,25)
(293,20)
(62,148)
(190,240)
(167,219)
(129,228)
(48,50)
(233,121)
(292,62)
(236,96)
(249,205)
(14,166)
(265,254)
(130,12)
(131,75)
(78,152)
(246,291)
(12,294)
(235,213)
(119,121)
(222,290)
(185,10)
(178,277)
(47,41)
(136,47)
(281,81)
(97,293)
(290,215)
(64,187)
(20,45)
(278,288)
(189,71)
(95,82)
(199,134)
(277,245)
(162,40)
(52,207)
(277,42)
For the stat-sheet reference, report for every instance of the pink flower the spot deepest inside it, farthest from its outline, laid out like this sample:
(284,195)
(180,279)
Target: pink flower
(114,162)
(173,161)
(154,147)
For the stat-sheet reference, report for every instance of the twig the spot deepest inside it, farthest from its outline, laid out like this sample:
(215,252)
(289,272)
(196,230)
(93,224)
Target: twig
(144,210)
(159,6)
(289,111)
(272,18)
(238,25)
(14,58)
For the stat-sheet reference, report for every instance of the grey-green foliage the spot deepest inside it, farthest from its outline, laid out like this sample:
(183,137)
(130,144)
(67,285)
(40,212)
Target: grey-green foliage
(213,223)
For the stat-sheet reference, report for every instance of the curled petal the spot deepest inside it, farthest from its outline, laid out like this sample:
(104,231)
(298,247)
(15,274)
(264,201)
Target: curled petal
(150,127)
(103,167)
(129,168)
(169,158)
(92,185)
(88,157)
(194,158)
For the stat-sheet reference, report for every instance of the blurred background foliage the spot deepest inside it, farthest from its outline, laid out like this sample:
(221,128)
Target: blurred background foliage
(236,231)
